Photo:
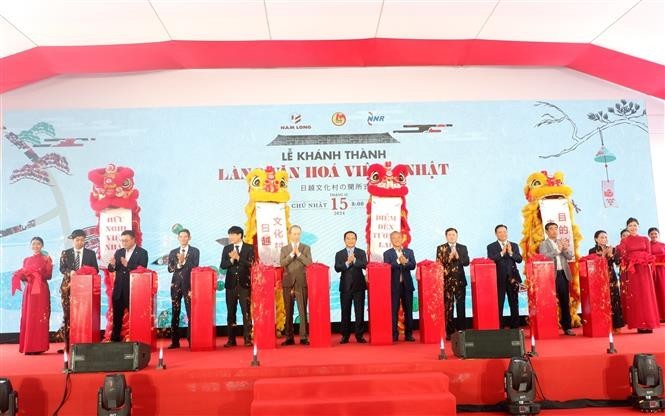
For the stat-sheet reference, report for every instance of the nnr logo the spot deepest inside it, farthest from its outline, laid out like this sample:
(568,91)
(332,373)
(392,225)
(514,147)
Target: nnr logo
(374,118)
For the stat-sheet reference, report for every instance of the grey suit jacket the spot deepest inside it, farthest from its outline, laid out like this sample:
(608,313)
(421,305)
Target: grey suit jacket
(294,267)
(549,249)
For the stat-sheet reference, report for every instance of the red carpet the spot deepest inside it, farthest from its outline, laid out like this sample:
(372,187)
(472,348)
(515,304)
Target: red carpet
(223,382)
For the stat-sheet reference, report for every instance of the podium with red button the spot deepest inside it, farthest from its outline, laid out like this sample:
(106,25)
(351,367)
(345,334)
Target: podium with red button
(430,298)
(202,327)
(379,299)
(143,304)
(543,302)
(84,306)
(484,294)
(595,296)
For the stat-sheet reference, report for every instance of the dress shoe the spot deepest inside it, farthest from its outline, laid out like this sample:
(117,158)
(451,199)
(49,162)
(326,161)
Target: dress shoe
(230,344)
(409,339)
(173,346)
(361,340)
(304,341)
(569,332)
(644,331)
(288,341)
(61,351)
(248,343)
(344,340)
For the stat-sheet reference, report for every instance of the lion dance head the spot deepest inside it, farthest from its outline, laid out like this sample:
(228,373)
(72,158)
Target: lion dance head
(389,181)
(113,187)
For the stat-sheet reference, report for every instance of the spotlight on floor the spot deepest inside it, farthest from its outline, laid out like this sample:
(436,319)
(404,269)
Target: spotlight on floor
(8,398)
(114,397)
(520,388)
(646,380)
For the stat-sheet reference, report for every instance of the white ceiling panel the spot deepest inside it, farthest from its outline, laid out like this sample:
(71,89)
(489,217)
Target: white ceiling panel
(60,22)
(433,19)
(641,32)
(213,20)
(553,21)
(323,19)
(11,40)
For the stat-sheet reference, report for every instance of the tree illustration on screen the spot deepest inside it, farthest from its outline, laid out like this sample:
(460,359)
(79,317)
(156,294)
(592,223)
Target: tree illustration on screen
(622,113)
(38,169)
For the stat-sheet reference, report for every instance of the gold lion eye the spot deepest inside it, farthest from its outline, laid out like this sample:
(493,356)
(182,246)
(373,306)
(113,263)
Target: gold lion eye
(374,177)
(282,183)
(256,182)
(535,183)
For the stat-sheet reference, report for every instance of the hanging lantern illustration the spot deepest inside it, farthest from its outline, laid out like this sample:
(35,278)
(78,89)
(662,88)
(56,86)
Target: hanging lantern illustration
(604,156)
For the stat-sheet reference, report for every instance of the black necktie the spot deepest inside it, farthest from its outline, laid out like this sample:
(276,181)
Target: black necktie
(77,260)
(237,249)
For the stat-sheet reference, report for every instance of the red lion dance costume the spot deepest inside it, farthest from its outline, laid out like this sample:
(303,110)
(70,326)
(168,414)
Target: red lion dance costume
(385,181)
(113,187)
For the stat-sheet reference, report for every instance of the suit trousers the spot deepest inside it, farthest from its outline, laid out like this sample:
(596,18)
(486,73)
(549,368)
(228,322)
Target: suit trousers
(454,293)
(358,300)
(176,302)
(299,295)
(563,294)
(119,307)
(406,298)
(510,289)
(234,296)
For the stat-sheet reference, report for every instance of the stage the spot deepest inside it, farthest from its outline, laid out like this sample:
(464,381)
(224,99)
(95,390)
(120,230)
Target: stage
(296,379)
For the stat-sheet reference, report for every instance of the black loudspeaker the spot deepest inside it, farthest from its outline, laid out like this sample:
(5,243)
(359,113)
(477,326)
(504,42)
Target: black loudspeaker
(108,357)
(491,343)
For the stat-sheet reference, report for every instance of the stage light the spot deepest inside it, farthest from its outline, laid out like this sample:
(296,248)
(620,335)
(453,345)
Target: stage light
(646,379)
(520,388)
(114,397)
(8,398)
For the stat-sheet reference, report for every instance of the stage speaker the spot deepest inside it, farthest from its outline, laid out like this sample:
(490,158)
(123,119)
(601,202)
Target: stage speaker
(491,343)
(109,357)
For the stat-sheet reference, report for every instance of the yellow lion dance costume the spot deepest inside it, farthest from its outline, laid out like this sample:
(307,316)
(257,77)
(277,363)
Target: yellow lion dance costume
(539,186)
(267,185)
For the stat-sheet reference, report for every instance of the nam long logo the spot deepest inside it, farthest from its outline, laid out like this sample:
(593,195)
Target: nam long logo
(296,123)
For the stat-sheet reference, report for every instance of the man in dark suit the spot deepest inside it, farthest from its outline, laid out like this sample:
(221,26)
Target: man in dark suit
(350,263)
(181,262)
(295,257)
(237,259)
(559,251)
(453,257)
(401,262)
(506,255)
(71,260)
(123,262)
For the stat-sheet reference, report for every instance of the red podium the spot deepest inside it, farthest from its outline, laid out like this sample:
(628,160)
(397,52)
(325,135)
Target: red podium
(318,291)
(84,306)
(542,298)
(263,305)
(378,296)
(484,294)
(595,294)
(430,297)
(203,326)
(142,301)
